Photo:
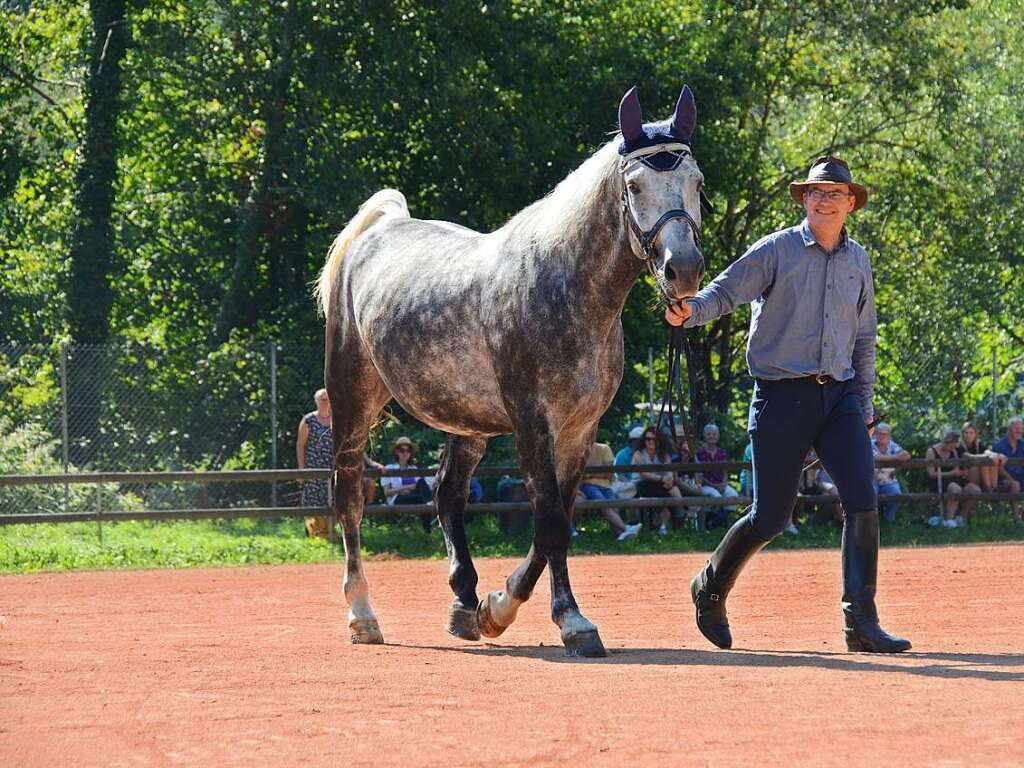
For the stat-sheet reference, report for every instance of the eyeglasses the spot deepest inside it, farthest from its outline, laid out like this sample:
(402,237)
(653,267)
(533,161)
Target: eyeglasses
(833,196)
(403,449)
(649,438)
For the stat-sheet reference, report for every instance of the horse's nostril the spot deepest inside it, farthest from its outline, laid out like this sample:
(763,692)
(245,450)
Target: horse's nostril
(670,274)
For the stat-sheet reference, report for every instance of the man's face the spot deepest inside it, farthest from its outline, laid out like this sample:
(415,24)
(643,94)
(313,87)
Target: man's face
(1016,430)
(828,204)
(882,436)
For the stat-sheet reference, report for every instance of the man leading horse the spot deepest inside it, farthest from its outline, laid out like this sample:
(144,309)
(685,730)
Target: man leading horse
(811,351)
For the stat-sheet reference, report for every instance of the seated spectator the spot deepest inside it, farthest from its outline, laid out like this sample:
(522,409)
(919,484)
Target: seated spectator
(599,487)
(476,495)
(476,491)
(370,483)
(713,481)
(656,449)
(690,485)
(409,489)
(746,483)
(987,477)
(815,481)
(882,444)
(511,490)
(950,480)
(1011,476)
(624,483)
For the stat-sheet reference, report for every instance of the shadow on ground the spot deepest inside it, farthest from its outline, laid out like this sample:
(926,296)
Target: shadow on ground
(978,666)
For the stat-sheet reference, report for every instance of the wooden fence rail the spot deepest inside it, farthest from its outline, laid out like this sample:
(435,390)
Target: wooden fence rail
(260,476)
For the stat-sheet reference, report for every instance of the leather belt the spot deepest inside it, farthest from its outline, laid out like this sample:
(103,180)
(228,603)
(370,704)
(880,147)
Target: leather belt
(818,378)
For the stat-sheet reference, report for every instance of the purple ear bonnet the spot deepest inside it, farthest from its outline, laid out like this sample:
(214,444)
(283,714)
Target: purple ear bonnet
(637,134)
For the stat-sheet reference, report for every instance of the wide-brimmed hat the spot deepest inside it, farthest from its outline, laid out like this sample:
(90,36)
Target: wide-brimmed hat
(403,441)
(829,169)
(636,433)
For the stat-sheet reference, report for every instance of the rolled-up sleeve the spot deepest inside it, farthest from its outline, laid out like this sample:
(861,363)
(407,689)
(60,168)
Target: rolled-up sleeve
(742,282)
(864,347)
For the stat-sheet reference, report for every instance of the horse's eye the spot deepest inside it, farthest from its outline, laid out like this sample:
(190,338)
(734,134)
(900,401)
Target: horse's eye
(633,187)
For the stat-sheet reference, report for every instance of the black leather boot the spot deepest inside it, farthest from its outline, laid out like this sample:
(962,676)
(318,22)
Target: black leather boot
(711,586)
(860,573)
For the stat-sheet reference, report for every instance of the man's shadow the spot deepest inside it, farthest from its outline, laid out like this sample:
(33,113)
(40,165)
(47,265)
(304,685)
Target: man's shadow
(975,666)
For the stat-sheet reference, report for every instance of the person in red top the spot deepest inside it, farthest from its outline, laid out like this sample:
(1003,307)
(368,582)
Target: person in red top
(714,483)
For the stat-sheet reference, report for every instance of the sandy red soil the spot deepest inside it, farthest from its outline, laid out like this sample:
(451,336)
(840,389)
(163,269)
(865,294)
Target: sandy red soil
(252,666)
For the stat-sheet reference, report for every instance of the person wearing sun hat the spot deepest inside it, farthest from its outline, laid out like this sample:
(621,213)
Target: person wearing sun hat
(811,351)
(409,489)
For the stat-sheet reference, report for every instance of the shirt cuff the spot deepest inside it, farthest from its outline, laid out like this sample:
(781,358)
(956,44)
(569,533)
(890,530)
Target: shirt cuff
(695,318)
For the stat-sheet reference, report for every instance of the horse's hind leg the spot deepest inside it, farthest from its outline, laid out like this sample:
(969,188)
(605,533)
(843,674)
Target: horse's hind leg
(461,456)
(357,395)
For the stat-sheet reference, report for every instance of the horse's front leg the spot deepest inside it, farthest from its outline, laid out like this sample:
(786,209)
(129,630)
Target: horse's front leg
(553,496)
(579,634)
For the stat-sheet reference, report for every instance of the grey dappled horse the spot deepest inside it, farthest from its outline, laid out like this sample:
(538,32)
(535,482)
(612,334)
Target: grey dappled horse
(516,331)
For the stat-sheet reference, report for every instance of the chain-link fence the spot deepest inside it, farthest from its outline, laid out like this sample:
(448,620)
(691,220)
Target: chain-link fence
(135,407)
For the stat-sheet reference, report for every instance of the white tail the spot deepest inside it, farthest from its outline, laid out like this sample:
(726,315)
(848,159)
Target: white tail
(384,204)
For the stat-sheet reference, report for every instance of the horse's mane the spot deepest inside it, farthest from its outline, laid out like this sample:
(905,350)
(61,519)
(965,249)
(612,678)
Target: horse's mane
(567,212)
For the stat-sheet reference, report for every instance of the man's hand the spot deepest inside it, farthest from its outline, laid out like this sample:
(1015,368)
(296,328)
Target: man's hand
(678,312)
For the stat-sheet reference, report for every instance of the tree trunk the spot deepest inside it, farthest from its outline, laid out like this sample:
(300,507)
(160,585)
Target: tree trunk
(259,236)
(93,258)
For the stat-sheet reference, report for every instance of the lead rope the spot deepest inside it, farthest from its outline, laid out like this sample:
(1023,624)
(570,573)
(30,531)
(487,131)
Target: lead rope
(677,342)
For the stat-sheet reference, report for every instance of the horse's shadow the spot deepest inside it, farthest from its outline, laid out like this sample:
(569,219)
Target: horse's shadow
(944,665)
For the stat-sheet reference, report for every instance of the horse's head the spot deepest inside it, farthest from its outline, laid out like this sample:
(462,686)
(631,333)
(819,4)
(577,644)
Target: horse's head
(661,194)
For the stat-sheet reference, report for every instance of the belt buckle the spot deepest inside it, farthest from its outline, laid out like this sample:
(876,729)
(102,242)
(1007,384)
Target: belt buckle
(823,378)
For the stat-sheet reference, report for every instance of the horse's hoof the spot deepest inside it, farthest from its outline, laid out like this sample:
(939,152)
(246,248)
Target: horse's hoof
(365,632)
(485,624)
(586,644)
(462,622)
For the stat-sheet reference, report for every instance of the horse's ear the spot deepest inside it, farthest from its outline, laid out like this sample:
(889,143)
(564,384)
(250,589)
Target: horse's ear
(631,120)
(685,118)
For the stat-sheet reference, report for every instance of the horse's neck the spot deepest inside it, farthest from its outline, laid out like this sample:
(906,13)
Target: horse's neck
(604,264)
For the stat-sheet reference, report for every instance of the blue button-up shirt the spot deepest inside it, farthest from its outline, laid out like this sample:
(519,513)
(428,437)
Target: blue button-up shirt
(811,311)
(1002,446)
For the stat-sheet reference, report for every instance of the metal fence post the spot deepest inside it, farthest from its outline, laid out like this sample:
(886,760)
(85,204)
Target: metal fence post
(64,413)
(995,396)
(99,512)
(273,419)
(650,385)
(330,508)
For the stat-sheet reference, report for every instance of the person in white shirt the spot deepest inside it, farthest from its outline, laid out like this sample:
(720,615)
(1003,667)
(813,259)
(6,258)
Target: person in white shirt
(882,444)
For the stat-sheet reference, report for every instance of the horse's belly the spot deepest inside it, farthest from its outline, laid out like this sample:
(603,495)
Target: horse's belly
(449,386)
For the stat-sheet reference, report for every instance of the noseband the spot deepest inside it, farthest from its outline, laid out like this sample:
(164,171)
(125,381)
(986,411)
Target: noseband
(647,239)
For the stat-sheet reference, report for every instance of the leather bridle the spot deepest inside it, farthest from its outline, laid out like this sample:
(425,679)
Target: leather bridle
(646,239)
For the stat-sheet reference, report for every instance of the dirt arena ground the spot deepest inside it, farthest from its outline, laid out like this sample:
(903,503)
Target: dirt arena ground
(251,666)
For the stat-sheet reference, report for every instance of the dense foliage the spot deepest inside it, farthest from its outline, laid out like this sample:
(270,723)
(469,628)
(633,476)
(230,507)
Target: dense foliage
(171,173)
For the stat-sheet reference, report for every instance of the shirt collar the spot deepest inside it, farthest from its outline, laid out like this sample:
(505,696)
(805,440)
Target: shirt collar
(808,236)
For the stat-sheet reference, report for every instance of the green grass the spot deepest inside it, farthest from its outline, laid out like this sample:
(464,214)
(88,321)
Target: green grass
(176,544)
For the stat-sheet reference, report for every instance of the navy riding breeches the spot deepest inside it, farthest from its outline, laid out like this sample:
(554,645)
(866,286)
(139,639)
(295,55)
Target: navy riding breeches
(787,418)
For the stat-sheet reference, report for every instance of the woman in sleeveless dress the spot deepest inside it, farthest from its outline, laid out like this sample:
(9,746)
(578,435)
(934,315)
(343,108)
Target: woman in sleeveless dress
(314,449)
